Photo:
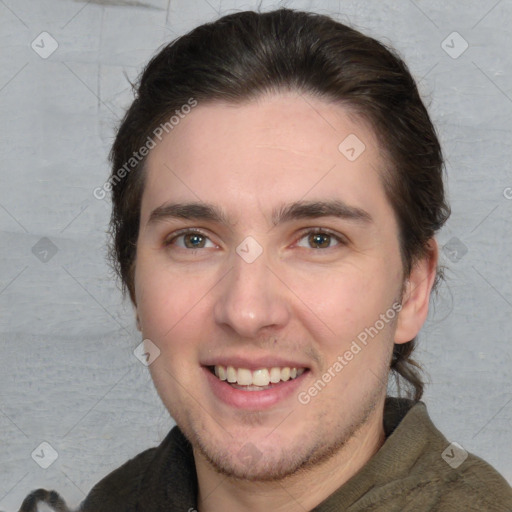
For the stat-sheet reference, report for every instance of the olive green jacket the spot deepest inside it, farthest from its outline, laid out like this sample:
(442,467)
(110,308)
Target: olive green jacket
(415,470)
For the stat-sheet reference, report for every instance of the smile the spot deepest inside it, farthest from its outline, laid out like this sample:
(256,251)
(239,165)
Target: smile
(257,380)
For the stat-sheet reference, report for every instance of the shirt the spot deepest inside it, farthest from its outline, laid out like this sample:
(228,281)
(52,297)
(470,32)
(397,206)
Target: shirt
(416,469)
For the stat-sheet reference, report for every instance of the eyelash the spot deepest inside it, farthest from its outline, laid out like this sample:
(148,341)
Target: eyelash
(309,231)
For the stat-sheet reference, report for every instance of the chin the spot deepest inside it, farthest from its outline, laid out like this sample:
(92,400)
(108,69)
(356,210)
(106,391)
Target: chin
(254,465)
(257,461)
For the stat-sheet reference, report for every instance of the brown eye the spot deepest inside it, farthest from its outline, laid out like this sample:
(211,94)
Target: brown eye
(319,239)
(194,240)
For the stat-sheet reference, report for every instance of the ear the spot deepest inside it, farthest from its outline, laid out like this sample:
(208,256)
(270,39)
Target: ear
(133,298)
(416,295)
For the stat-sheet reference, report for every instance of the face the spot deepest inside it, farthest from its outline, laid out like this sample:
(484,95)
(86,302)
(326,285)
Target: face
(267,253)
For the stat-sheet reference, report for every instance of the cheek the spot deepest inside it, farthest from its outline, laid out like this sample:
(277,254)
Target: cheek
(166,302)
(343,302)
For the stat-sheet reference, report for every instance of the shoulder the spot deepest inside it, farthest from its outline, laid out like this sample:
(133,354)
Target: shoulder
(475,483)
(419,467)
(119,490)
(147,481)
(450,477)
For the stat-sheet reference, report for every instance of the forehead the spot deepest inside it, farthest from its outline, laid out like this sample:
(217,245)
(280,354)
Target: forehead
(255,156)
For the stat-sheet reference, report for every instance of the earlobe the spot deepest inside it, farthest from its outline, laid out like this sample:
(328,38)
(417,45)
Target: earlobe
(416,296)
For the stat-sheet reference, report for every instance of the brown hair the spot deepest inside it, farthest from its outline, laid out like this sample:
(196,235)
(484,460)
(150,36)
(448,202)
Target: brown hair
(246,54)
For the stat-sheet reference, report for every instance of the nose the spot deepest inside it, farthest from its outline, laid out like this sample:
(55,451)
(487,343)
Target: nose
(252,299)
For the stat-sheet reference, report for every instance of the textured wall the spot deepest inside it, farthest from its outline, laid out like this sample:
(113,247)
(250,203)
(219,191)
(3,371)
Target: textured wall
(68,376)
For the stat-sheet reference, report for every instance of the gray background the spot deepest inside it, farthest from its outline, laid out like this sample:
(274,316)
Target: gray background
(68,375)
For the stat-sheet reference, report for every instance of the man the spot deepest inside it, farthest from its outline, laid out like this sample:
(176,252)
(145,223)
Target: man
(277,186)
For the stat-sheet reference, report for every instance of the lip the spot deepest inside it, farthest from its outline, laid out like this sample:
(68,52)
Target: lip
(253,363)
(252,400)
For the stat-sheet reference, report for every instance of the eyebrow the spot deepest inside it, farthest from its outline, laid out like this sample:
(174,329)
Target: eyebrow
(188,211)
(316,209)
(285,213)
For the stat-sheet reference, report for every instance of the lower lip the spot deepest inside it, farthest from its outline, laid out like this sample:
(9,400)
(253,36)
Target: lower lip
(255,400)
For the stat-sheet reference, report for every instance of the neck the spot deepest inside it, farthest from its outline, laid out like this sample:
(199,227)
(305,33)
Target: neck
(299,492)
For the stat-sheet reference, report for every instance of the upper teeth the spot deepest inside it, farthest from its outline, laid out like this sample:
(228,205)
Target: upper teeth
(260,377)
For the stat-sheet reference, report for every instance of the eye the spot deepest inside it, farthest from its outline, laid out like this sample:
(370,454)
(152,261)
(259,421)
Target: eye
(189,239)
(320,239)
